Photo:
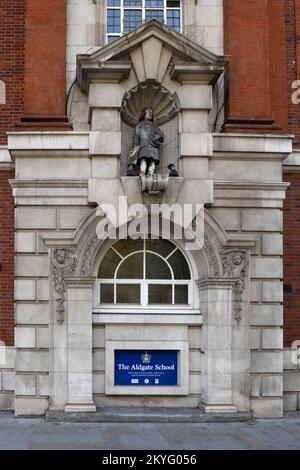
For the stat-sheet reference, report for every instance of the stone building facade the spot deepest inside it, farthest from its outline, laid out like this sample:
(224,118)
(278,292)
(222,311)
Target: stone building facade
(225,111)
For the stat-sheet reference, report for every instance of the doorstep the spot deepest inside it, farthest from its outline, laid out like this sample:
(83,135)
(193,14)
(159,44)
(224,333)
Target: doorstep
(147,415)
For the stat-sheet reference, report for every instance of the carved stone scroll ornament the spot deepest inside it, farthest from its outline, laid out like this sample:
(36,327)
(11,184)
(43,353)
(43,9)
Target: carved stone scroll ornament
(64,264)
(235,266)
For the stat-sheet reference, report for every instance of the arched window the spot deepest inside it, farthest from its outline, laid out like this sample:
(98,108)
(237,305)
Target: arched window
(125,15)
(144,273)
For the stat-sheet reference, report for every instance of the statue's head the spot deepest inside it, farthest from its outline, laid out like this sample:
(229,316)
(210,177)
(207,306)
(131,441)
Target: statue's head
(146,114)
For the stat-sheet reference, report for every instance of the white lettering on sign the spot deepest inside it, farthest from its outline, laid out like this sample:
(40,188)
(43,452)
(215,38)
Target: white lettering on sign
(145,368)
(123,367)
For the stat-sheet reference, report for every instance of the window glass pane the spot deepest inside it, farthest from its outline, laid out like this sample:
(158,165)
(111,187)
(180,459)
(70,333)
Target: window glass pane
(107,293)
(132,267)
(132,3)
(113,3)
(128,294)
(113,21)
(132,19)
(159,294)
(173,3)
(179,266)
(181,295)
(173,19)
(111,39)
(109,265)
(154,3)
(163,247)
(155,14)
(125,247)
(156,268)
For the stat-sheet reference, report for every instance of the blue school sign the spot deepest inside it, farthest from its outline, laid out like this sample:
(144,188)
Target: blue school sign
(146,368)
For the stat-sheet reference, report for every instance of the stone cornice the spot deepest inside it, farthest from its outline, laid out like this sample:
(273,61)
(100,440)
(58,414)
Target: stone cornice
(292,163)
(250,193)
(109,72)
(196,73)
(49,183)
(5,159)
(252,146)
(249,185)
(54,153)
(240,240)
(6,166)
(51,192)
(37,143)
(215,283)
(291,169)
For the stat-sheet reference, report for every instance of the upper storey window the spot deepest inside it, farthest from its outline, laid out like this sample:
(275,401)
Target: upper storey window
(125,15)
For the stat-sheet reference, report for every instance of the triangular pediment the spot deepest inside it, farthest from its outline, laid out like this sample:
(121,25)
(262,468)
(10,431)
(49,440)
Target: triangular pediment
(159,45)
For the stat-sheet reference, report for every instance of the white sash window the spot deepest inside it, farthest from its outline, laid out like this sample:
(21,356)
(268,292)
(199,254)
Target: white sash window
(125,15)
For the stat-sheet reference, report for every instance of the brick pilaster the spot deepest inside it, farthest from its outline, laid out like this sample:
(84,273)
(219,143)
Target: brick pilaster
(247,31)
(45,65)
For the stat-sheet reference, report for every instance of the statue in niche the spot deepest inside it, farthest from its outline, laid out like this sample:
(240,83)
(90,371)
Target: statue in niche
(147,140)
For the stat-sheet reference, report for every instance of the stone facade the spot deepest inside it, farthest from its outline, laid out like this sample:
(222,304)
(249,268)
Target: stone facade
(235,339)
(230,336)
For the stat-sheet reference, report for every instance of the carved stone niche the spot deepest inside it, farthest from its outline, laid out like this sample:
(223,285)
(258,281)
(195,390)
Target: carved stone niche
(164,103)
(165,106)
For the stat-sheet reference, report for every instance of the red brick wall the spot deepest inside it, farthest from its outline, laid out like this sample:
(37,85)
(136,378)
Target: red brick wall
(293,63)
(254,37)
(12,37)
(277,61)
(12,20)
(45,58)
(6,259)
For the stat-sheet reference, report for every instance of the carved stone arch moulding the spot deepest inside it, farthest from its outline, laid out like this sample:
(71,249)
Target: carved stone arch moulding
(164,103)
(86,262)
(214,238)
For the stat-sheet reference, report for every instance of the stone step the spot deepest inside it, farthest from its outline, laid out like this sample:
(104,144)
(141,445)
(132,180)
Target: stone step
(147,415)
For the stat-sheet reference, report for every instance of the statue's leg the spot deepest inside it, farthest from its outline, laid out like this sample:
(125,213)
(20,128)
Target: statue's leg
(143,166)
(151,168)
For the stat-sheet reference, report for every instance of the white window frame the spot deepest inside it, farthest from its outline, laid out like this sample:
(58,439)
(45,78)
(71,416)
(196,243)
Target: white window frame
(144,9)
(144,307)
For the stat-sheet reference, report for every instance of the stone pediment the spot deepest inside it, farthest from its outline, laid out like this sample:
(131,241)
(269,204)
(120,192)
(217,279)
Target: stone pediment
(151,49)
